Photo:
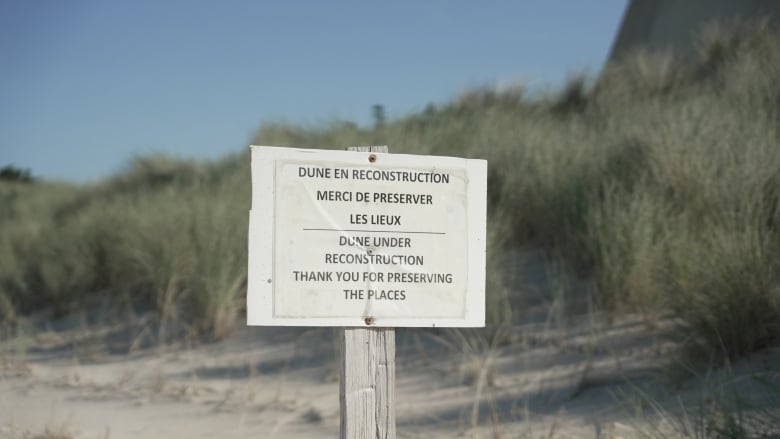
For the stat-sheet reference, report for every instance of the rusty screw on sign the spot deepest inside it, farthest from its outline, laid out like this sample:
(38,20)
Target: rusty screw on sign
(369,321)
(372,158)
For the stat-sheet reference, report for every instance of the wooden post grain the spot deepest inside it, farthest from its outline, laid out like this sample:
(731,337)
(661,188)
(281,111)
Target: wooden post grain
(367,384)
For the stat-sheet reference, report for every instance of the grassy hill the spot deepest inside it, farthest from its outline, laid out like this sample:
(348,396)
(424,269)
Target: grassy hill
(661,181)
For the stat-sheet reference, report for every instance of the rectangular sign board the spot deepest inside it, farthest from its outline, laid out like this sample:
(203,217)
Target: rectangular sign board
(343,238)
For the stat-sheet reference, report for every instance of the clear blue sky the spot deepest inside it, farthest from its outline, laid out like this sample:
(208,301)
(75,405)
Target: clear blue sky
(87,84)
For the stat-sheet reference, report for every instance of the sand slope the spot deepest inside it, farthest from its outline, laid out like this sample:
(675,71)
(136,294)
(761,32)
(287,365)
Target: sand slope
(551,374)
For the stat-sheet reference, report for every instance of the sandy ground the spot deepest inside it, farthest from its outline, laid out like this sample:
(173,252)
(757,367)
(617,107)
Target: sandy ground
(550,375)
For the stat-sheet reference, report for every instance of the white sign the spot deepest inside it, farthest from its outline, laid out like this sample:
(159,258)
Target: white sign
(342,238)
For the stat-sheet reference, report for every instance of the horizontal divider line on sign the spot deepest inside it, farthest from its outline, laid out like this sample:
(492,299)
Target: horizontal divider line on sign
(376,231)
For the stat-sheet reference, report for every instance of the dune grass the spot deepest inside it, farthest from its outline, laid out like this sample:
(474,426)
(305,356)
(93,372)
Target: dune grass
(166,235)
(661,181)
(726,407)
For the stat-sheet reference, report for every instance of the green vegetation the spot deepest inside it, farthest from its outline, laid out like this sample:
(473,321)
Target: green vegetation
(12,173)
(720,411)
(662,181)
(165,235)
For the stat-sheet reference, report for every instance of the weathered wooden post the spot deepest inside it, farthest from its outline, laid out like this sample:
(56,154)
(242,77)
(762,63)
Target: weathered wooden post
(367,384)
(367,241)
(367,387)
